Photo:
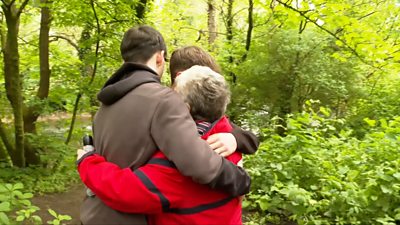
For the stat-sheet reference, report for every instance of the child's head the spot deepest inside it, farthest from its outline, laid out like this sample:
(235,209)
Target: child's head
(205,91)
(186,57)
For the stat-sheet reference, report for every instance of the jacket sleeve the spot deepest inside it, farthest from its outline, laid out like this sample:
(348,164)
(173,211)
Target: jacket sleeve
(175,133)
(247,142)
(120,189)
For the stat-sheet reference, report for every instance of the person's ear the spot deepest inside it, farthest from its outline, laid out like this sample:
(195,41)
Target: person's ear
(178,73)
(160,58)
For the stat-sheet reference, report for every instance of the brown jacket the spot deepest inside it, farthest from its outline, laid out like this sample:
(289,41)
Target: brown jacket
(139,116)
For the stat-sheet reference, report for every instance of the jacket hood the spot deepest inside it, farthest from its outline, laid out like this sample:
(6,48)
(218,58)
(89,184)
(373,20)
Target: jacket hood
(128,77)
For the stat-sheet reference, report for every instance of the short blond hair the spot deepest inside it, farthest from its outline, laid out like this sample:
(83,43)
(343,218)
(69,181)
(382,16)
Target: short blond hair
(205,91)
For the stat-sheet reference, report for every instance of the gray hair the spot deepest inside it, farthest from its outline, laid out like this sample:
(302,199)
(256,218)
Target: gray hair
(205,91)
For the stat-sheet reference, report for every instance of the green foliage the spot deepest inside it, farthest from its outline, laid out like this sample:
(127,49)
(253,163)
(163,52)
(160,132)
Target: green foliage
(12,198)
(58,219)
(294,67)
(16,207)
(319,173)
(344,54)
(58,168)
(55,176)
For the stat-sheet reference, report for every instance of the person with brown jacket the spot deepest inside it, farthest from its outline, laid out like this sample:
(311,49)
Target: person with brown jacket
(138,116)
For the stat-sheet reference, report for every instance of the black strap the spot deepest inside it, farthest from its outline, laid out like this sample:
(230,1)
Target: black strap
(166,205)
(200,208)
(147,182)
(161,162)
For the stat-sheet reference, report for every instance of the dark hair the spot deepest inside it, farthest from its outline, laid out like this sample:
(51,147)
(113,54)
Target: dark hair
(186,57)
(140,43)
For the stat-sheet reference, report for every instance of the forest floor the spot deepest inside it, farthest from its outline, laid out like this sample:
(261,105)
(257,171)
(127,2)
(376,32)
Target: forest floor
(65,203)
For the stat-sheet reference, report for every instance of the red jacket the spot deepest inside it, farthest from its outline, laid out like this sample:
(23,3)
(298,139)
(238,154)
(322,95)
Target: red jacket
(160,191)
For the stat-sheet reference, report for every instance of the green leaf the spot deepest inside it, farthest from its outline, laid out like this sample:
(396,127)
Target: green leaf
(385,189)
(314,187)
(52,212)
(263,204)
(25,202)
(65,217)
(37,219)
(4,219)
(324,111)
(18,186)
(18,194)
(397,175)
(352,174)
(279,167)
(370,122)
(27,195)
(5,207)
(20,218)
(9,187)
(3,188)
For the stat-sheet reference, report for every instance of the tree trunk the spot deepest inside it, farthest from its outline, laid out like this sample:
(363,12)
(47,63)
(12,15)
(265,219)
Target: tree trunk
(229,36)
(13,81)
(44,83)
(3,153)
(32,113)
(249,29)
(6,141)
(212,23)
(141,9)
(73,119)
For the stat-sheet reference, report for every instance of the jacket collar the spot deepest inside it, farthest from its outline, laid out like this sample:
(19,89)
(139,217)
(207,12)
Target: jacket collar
(125,79)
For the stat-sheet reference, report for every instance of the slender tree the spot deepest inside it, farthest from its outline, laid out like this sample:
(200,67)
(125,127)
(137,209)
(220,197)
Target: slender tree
(229,35)
(13,80)
(250,27)
(212,23)
(32,112)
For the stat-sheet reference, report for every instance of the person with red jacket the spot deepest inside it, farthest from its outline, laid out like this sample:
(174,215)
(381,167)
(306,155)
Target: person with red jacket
(158,189)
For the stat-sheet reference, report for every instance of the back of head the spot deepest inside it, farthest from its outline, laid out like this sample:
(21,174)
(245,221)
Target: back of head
(186,57)
(140,43)
(205,91)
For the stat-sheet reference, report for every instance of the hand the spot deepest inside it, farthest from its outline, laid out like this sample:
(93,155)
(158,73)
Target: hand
(223,143)
(80,153)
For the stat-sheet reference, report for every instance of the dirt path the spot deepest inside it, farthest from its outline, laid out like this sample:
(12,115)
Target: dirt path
(66,203)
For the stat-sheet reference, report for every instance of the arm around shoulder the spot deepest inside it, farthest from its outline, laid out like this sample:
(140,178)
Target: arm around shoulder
(175,133)
(247,142)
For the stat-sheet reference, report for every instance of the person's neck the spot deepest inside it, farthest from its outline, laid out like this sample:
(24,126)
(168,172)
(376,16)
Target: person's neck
(152,64)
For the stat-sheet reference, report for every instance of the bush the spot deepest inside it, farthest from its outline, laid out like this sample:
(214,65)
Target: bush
(320,174)
(16,207)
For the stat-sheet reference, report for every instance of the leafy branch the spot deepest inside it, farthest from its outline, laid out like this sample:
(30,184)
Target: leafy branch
(98,31)
(334,35)
(70,41)
(21,8)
